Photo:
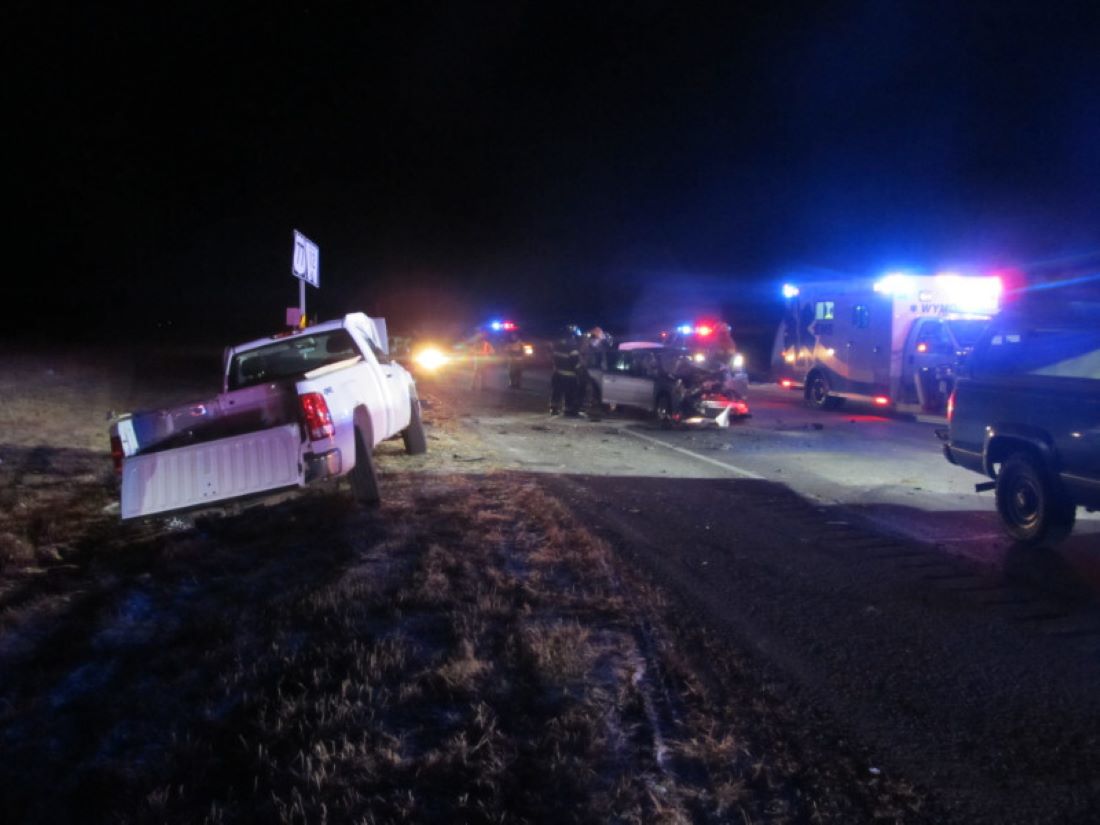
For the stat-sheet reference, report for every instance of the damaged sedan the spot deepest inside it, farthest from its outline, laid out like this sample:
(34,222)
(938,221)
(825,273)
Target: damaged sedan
(677,386)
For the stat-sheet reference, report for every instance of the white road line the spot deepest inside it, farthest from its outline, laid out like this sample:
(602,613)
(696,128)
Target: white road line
(735,470)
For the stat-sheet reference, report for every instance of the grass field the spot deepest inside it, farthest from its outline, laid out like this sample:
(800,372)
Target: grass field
(466,652)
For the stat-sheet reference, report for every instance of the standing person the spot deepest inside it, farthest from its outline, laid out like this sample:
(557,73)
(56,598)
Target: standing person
(724,348)
(514,350)
(482,352)
(592,348)
(567,362)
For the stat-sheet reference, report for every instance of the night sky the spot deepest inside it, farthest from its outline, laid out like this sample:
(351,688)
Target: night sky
(553,160)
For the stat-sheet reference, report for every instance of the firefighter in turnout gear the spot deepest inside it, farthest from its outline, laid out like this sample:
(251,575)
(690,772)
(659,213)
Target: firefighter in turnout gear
(482,352)
(595,344)
(565,382)
(724,347)
(515,352)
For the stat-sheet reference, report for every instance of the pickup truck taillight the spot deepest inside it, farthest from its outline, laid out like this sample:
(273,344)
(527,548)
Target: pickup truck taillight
(951,405)
(116,453)
(317,418)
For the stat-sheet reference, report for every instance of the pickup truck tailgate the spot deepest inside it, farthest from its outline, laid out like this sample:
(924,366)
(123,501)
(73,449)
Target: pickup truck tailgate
(212,471)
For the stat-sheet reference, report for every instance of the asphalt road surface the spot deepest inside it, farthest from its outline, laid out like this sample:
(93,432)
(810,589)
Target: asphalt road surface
(887,472)
(861,570)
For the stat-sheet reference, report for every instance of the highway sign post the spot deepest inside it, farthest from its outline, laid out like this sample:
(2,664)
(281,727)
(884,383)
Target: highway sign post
(306,267)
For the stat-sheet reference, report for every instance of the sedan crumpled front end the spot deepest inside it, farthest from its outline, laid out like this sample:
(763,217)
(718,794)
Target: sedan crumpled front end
(710,397)
(715,408)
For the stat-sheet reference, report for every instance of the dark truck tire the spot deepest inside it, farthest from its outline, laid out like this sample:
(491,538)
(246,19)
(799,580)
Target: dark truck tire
(363,477)
(416,443)
(1033,506)
(817,393)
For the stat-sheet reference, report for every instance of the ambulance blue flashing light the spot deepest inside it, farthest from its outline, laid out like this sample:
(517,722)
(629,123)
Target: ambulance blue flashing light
(790,291)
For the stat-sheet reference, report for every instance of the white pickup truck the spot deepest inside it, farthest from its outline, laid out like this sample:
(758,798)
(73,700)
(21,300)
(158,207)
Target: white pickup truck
(294,409)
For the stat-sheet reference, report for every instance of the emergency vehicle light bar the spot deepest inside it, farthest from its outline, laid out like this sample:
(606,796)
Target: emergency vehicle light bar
(896,283)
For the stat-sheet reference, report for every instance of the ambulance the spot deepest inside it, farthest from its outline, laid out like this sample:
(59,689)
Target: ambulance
(895,342)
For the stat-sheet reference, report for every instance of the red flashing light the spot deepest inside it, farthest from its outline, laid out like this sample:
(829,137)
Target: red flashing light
(786,383)
(703,330)
(318,420)
(508,325)
(882,400)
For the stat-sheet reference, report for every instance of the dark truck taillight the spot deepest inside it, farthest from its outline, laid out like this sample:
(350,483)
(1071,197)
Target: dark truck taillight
(116,453)
(951,405)
(317,418)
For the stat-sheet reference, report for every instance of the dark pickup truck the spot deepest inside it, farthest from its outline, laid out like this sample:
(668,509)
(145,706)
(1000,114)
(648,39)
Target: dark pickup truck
(1026,413)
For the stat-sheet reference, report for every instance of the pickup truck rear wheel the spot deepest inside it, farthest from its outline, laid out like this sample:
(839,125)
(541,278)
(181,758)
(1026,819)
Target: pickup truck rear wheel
(363,477)
(416,443)
(1032,504)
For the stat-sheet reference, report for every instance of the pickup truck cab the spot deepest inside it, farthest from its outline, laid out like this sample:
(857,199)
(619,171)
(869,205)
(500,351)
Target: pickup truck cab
(1027,415)
(294,409)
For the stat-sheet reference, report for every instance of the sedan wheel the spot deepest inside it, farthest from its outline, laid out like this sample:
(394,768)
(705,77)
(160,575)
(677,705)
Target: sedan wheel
(663,410)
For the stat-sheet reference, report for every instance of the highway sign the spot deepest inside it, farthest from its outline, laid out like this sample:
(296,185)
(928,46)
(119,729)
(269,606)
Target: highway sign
(306,264)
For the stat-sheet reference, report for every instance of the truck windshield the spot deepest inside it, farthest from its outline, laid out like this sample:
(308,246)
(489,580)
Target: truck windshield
(290,358)
(967,331)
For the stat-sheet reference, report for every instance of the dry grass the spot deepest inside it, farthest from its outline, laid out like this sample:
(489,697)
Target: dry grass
(467,653)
